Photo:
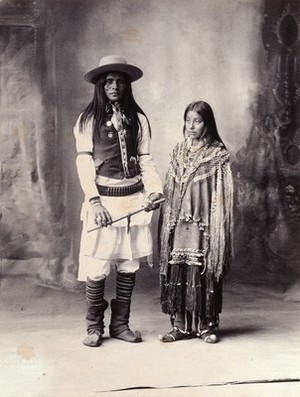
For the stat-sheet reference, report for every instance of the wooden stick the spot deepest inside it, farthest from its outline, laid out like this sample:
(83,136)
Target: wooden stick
(129,215)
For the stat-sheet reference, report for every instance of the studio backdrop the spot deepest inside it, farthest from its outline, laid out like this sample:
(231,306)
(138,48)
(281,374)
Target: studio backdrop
(241,56)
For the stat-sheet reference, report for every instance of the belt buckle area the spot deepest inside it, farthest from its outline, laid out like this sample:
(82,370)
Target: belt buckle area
(120,190)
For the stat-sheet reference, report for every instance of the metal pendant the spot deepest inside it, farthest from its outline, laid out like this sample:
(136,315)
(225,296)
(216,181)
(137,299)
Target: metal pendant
(110,134)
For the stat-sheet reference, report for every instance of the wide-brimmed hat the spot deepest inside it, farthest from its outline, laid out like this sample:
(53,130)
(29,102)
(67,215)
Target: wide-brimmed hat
(113,63)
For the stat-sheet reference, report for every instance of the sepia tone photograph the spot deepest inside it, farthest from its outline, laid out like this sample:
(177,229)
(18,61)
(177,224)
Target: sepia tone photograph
(150,198)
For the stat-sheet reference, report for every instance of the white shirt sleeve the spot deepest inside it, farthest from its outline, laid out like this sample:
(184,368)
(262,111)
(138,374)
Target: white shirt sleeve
(84,161)
(150,176)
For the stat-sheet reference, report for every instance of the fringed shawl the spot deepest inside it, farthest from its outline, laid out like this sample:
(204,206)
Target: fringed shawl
(210,164)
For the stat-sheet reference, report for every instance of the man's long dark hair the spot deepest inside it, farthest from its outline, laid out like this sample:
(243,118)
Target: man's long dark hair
(96,112)
(206,112)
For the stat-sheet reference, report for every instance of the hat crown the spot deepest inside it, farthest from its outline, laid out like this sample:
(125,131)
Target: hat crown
(113,63)
(112,59)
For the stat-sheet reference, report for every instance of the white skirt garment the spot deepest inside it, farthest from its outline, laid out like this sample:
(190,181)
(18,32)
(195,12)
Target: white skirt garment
(117,241)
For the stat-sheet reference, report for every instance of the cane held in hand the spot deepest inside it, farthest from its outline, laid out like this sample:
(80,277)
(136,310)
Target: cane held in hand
(128,216)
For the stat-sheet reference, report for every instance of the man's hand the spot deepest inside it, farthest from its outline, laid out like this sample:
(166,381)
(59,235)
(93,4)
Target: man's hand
(149,204)
(101,215)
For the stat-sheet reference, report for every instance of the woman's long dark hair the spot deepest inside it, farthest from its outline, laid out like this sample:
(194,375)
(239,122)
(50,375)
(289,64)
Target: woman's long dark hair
(206,112)
(96,108)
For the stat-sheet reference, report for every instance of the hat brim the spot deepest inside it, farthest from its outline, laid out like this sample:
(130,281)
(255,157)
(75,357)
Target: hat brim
(133,72)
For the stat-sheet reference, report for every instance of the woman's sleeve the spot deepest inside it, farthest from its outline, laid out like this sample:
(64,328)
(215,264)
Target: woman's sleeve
(150,176)
(84,161)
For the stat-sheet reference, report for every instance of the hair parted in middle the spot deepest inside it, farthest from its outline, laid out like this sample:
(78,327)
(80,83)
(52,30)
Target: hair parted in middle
(95,110)
(206,112)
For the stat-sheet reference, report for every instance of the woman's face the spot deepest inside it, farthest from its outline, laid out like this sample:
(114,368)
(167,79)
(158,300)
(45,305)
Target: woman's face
(194,126)
(114,86)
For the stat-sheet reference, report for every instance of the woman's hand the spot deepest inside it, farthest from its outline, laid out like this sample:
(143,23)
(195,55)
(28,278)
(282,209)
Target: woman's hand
(149,204)
(101,215)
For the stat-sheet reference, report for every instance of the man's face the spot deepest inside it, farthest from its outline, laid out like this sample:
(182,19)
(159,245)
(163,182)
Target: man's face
(114,86)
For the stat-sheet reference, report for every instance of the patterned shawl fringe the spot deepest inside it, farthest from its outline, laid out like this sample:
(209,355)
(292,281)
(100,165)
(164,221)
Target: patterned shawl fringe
(185,289)
(221,224)
(221,219)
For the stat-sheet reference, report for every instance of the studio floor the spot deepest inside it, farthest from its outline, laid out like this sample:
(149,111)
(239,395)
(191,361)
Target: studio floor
(41,353)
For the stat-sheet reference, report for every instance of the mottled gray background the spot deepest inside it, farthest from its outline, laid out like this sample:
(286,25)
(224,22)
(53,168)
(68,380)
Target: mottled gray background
(241,56)
(228,53)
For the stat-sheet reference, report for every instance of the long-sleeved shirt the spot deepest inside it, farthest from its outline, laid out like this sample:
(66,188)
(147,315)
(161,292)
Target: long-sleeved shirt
(86,168)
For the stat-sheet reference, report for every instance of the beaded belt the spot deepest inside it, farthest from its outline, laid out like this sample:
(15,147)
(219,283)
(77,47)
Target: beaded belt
(119,191)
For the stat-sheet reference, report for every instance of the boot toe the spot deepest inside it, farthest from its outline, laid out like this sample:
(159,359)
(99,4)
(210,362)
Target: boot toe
(174,336)
(212,338)
(208,336)
(93,340)
(129,336)
(138,337)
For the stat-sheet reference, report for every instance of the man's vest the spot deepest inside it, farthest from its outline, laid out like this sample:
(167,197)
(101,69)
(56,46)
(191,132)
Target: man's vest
(115,154)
